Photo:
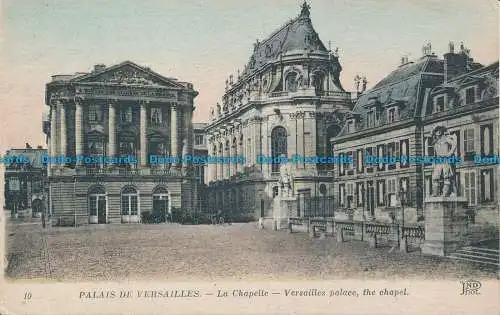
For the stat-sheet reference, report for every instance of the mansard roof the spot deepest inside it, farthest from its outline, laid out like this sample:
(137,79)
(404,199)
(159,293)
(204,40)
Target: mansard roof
(402,87)
(297,34)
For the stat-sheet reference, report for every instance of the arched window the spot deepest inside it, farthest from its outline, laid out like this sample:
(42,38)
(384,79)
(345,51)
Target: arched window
(278,146)
(130,201)
(291,82)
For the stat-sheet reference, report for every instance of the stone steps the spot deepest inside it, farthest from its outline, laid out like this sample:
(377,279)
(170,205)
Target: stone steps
(484,256)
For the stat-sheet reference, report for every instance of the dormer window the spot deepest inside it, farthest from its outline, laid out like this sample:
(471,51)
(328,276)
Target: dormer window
(470,95)
(372,118)
(392,115)
(439,103)
(350,125)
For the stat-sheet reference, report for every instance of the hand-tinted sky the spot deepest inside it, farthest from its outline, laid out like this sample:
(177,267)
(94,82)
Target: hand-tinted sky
(204,41)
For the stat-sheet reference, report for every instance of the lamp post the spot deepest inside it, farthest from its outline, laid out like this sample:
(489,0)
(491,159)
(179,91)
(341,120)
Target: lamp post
(402,200)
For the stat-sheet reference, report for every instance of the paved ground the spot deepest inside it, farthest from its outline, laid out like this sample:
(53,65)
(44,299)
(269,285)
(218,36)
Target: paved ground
(204,252)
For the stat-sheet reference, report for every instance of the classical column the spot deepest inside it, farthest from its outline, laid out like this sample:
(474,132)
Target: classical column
(63,131)
(173,133)
(78,129)
(112,129)
(143,139)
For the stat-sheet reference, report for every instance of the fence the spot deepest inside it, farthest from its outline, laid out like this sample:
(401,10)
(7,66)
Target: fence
(377,234)
(320,206)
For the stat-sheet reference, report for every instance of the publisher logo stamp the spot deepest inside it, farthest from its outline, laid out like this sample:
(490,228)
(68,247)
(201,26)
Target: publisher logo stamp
(470,287)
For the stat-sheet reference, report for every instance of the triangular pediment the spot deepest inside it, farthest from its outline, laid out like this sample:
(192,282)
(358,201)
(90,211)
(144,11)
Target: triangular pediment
(128,73)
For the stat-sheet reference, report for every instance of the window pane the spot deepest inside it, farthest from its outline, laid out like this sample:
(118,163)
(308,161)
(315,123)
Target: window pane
(125,205)
(133,205)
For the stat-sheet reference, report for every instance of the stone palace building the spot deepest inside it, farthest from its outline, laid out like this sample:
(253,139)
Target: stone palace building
(287,101)
(118,118)
(396,117)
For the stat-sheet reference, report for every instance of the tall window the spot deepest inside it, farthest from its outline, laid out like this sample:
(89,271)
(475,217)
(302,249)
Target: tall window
(129,201)
(126,114)
(391,192)
(198,139)
(487,185)
(370,119)
(360,194)
(439,103)
(156,116)
(392,115)
(291,82)
(350,125)
(278,145)
(318,83)
(94,113)
(470,186)
(350,195)
(469,141)
(470,95)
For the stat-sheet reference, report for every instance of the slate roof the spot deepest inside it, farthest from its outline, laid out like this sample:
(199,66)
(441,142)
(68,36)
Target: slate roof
(401,86)
(297,34)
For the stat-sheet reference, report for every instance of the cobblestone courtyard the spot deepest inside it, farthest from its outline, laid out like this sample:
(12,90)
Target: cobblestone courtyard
(239,251)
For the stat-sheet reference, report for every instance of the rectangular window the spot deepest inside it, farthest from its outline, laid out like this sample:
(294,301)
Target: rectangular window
(404,184)
(457,134)
(470,95)
(487,140)
(352,155)
(94,113)
(439,104)
(381,192)
(360,162)
(469,144)
(360,194)
(198,139)
(350,126)
(342,195)
(125,205)
(391,192)
(93,205)
(404,152)
(350,195)
(380,154)
(156,116)
(487,185)
(391,115)
(126,114)
(133,205)
(469,187)
(428,186)
(370,119)
(341,165)
(368,153)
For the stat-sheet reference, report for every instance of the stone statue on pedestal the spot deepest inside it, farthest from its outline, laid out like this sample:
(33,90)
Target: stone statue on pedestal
(443,175)
(285,181)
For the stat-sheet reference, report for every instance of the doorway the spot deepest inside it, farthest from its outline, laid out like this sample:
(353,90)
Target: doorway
(98,205)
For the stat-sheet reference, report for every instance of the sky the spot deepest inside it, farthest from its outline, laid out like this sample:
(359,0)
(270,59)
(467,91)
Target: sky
(204,41)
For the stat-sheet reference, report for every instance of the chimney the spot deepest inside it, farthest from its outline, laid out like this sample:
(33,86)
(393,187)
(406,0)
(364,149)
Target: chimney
(454,65)
(99,67)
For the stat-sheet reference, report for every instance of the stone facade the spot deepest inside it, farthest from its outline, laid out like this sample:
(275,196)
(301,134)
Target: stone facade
(25,176)
(395,118)
(124,112)
(287,101)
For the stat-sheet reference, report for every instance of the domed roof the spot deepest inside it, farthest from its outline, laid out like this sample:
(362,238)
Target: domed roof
(297,34)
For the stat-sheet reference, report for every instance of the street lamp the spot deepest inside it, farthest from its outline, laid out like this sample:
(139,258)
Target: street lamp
(402,200)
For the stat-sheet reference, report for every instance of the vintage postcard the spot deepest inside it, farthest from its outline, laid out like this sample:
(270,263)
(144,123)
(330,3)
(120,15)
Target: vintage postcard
(249,157)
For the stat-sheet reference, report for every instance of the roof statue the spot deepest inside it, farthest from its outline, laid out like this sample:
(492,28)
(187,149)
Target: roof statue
(443,175)
(305,10)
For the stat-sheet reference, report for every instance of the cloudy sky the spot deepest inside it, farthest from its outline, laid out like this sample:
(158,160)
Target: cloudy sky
(204,41)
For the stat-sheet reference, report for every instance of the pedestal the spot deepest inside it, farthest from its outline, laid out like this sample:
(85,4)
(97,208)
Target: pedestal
(445,224)
(283,207)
